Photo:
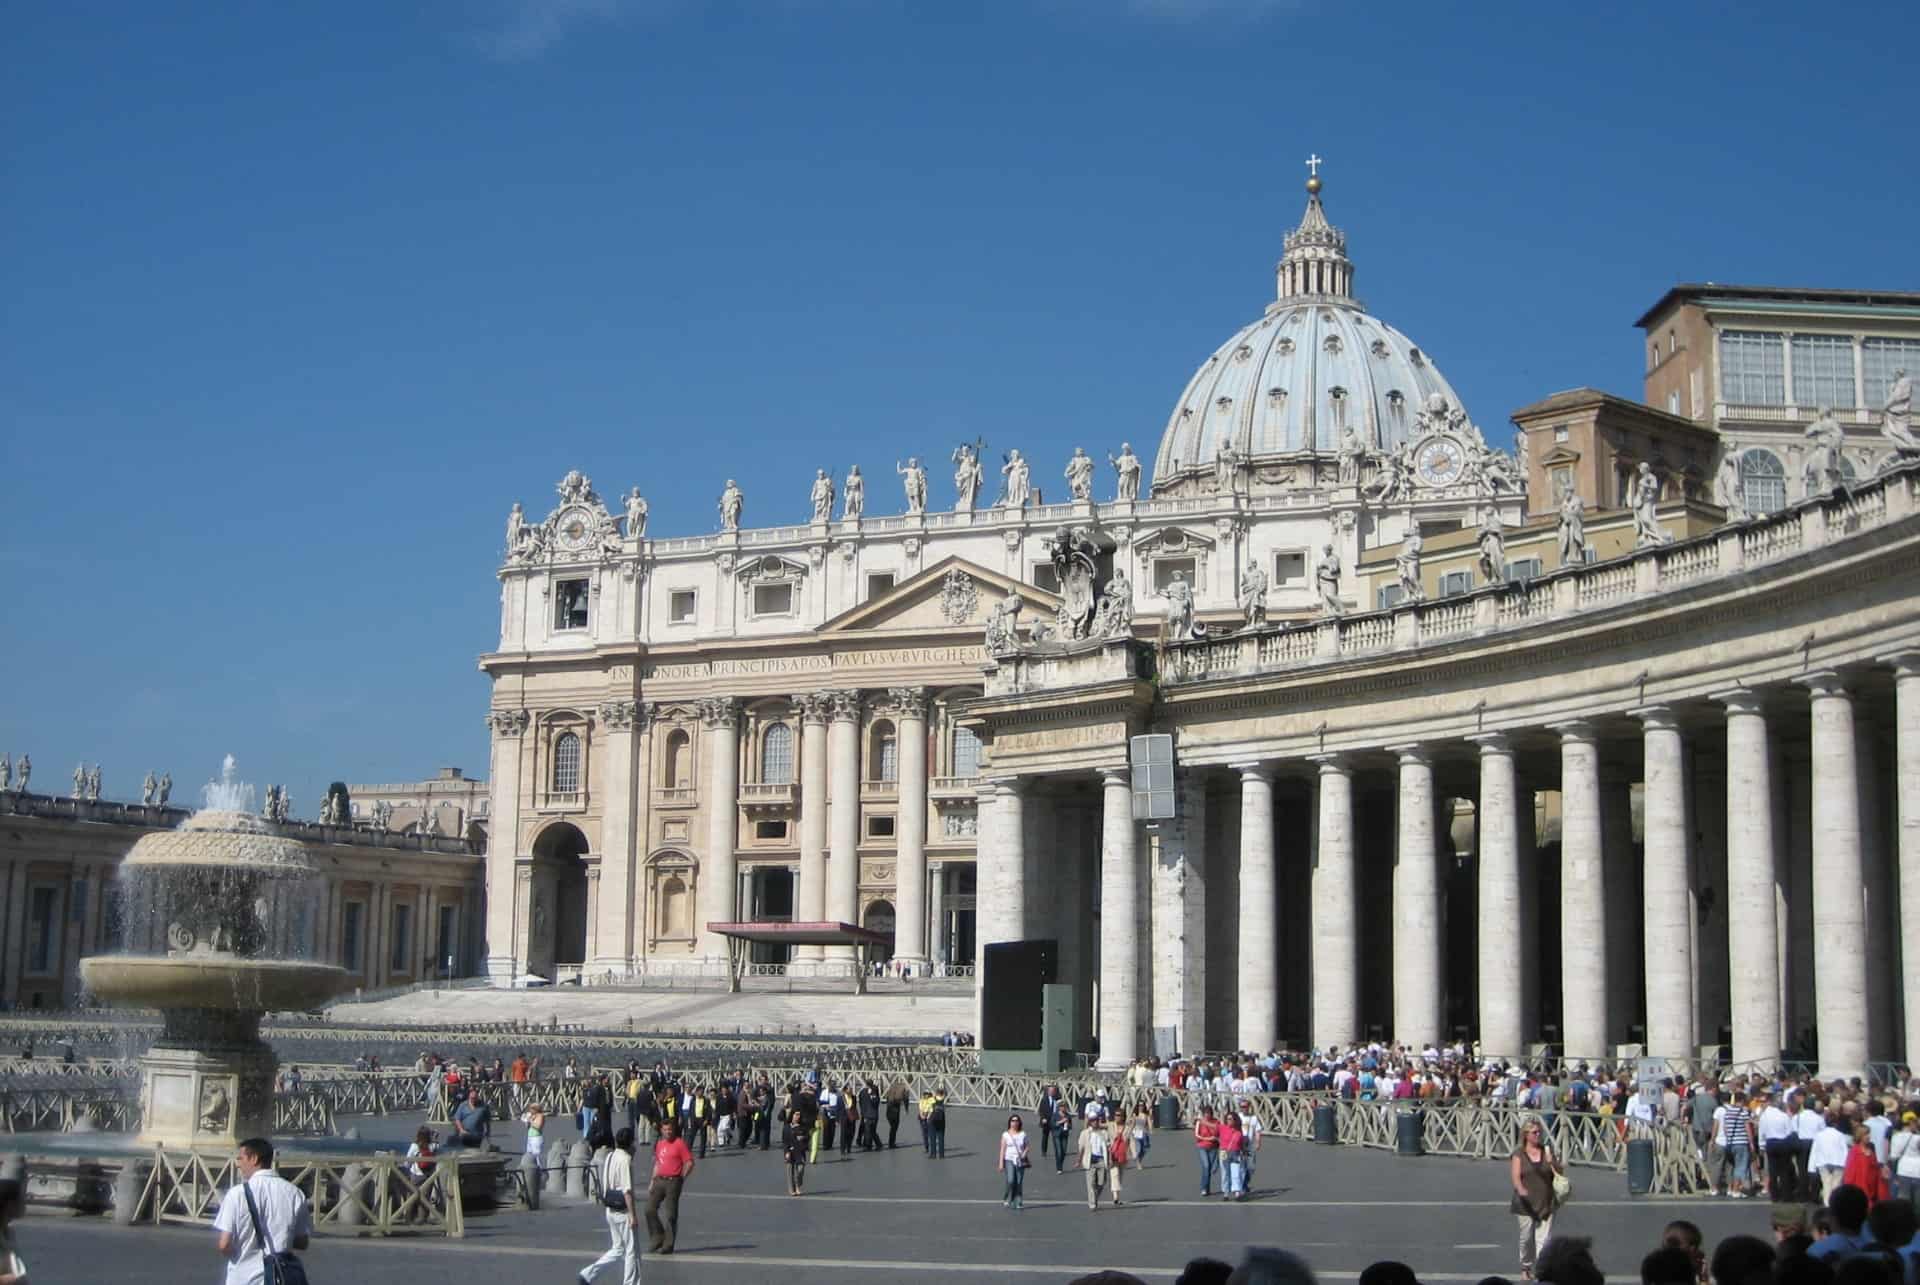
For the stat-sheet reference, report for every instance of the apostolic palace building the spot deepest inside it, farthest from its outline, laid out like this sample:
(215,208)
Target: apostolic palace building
(1608,739)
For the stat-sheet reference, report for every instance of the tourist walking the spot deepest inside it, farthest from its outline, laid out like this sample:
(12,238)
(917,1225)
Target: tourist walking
(1863,1168)
(1013,1163)
(795,1138)
(1232,1144)
(616,1193)
(1049,1115)
(672,1166)
(937,1121)
(1532,1172)
(1903,1152)
(262,1215)
(925,1115)
(1096,1157)
(13,1204)
(1829,1155)
(472,1121)
(896,1103)
(1142,1135)
(1736,1144)
(1206,1137)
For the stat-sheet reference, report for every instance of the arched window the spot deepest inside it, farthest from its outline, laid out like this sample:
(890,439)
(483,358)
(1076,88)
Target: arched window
(883,764)
(1763,481)
(966,752)
(677,762)
(566,764)
(776,755)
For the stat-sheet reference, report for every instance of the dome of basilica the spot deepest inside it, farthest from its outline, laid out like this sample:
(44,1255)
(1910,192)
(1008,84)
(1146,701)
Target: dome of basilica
(1296,379)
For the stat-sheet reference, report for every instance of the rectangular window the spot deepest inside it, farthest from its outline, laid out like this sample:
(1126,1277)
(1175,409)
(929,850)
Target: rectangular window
(43,929)
(1752,368)
(1164,570)
(1823,370)
(1673,402)
(1289,569)
(770,830)
(1044,576)
(1879,358)
(1389,595)
(773,600)
(879,583)
(1561,432)
(880,827)
(680,607)
(352,951)
(966,752)
(1523,569)
(402,921)
(1453,582)
(570,604)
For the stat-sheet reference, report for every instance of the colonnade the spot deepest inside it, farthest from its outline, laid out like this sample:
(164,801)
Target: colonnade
(1865,922)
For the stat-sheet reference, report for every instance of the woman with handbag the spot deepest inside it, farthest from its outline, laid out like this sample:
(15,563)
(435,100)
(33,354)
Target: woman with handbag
(1537,1177)
(796,1139)
(1013,1163)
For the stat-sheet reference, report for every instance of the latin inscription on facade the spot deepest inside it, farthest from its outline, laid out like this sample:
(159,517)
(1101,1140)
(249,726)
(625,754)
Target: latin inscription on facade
(880,659)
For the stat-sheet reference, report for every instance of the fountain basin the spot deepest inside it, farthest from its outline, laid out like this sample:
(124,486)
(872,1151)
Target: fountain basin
(212,982)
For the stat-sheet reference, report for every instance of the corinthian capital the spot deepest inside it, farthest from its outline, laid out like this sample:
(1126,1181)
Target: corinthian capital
(907,702)
(846,705)
(720,711)
(813,707)
(508,722)
(619,716)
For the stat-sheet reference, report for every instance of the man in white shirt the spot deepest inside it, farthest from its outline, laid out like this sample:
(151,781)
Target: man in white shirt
(1250,1125)
(283,1215)
(1778,1141)
(1640,1106)
(616,1193)
(1807,1124)
(1829,1158)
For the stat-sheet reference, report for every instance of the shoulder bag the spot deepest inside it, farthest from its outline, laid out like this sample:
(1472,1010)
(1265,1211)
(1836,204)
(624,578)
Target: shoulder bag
(282,1268)
(1562,1185)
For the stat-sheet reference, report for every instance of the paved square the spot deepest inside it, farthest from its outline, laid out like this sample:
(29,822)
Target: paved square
(898,1215)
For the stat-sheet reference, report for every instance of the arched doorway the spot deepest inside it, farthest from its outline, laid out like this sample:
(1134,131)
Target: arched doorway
(879,918)
(557,928)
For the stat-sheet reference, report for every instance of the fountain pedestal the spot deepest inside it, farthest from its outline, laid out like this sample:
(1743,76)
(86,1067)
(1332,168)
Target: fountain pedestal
(204,1099)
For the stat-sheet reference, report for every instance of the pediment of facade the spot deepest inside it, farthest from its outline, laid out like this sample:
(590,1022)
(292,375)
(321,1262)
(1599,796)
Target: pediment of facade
(951,594)
(1174,540)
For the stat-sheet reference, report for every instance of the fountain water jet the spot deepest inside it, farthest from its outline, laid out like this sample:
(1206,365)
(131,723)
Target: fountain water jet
(221,926)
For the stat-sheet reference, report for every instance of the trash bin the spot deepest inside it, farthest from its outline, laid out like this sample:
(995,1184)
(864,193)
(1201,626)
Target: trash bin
(1408,1128)
(1326,1125)
(1166,1112)
(1639,1166)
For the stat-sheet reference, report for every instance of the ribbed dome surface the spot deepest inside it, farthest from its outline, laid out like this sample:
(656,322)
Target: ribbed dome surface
(1294,379)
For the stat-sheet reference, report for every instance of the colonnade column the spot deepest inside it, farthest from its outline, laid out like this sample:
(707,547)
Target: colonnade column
(1336,953)
(1173,931)
(1906,779)
(1667,884)
(1119,907)
(810,898)
(910,913)
(1583,934)
(718,891)
(937,914)
(1418,969)
(843,816)
(506,952)
(1000,861)
(611,925)
(1753,959)
(1259,936)
(1839,877)
(1498,930)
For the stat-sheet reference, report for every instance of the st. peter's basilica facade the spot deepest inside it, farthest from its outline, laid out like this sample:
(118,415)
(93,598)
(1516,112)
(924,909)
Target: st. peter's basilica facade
(1591,742)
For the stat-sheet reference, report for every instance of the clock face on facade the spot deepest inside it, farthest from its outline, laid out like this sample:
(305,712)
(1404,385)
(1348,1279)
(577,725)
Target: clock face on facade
(1441,461)
(575,528)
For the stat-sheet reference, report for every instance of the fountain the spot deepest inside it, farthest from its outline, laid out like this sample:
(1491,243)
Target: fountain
(221,926)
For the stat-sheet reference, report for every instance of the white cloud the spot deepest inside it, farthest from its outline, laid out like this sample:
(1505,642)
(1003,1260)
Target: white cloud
(521,30)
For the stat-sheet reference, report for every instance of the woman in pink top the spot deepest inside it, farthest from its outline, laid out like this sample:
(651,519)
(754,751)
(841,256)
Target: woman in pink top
(1232,1140)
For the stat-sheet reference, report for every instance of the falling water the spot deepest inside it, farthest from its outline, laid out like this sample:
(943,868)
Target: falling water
(229,793)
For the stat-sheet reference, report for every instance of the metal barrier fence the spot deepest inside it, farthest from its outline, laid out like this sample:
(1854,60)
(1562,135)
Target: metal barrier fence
(116,1109)
(374,1195)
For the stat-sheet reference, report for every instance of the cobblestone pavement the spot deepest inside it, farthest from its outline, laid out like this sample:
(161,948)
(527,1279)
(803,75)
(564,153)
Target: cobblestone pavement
(898,1215)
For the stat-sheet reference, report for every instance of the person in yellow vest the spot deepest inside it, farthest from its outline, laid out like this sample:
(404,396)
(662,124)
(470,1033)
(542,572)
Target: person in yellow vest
(926,1116)
(699,1121)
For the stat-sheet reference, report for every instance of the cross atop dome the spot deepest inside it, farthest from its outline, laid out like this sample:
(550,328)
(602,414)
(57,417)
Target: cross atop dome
(1315,263)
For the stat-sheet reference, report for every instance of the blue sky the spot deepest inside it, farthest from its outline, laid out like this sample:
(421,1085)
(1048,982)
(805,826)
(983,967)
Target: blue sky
(299,298)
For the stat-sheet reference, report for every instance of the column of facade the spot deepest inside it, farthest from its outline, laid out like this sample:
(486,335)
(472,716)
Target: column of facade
(1176,932)
(1753,958)
(720,876)
(1259,969)
(1497,932)
(1623,989)
(1418,967)
(1877,889)
(910,886)
(1336,937)
(1583,881)
(621,725)
(843,816)
(999,868)
(936,927)
(1839,913)
(1906,778)
(810,897)
(1667,889)
(1119,911)
(505,947)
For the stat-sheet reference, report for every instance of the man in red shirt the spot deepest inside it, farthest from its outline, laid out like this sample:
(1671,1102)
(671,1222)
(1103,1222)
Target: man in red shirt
(672,1166)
